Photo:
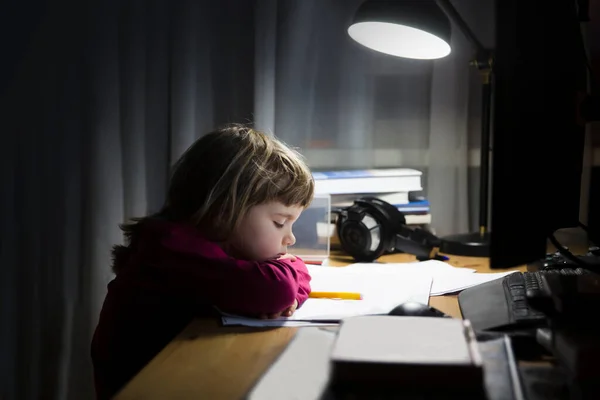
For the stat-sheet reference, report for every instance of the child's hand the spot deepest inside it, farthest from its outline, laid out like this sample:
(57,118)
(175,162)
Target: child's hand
(287,256)
(288,312)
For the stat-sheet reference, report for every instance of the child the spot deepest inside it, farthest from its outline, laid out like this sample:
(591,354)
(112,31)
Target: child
(220,240)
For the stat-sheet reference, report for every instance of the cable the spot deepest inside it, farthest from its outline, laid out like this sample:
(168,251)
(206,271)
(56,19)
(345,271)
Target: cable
(564,251)
(592,237)
(582,16)
(583,10)
(570,256)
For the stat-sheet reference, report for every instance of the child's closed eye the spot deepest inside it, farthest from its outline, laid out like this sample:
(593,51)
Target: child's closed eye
(278,225)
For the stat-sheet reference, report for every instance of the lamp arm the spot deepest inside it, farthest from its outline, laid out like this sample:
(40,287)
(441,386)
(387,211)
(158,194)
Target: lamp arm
(455,17)
(483,61)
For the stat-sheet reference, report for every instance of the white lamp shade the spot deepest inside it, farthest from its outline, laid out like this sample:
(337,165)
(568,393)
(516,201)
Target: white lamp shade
(399,40)
(416,29)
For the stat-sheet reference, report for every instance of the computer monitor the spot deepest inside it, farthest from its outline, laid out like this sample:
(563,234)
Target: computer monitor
(537,143)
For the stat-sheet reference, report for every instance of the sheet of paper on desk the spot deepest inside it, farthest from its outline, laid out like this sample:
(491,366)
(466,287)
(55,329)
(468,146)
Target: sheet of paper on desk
(446,278)
(382,291)
(432,267)
(453,282)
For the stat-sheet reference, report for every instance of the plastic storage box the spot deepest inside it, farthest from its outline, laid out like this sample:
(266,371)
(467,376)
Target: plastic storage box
(310,245)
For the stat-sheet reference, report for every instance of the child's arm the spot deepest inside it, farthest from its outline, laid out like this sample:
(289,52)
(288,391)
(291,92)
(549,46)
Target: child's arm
(303,281)
(244,287)
(235,286)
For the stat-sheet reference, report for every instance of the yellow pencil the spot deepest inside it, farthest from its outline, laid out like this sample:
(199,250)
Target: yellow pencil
(335,295)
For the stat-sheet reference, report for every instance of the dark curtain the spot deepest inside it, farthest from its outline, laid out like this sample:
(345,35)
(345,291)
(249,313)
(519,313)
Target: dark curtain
(98,99)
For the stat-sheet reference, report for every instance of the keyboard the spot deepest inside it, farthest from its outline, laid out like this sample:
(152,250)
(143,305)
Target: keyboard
(519,286)
(501,305)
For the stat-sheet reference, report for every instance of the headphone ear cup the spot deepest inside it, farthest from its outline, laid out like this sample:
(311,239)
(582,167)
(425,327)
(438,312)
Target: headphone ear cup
(391,219)
(361,232)
(395,216)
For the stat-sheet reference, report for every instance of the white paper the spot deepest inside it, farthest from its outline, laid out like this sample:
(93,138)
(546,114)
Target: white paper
(446,278)
(382,291)
(454,282)
(301,372)
(431,267)
(259,323)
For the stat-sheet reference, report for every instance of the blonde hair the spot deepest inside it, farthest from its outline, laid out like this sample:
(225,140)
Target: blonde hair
(228,171)
(224,174)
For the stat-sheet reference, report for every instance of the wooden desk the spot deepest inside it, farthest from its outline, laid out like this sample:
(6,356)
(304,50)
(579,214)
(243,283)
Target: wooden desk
(208,361)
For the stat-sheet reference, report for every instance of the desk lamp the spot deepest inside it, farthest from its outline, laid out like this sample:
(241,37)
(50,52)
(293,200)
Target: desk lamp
(420,29)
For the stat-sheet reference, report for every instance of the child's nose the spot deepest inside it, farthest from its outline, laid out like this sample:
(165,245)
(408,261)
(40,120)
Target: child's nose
(289,239)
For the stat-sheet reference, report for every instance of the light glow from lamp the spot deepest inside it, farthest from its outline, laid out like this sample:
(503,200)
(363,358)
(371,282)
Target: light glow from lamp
(399,40)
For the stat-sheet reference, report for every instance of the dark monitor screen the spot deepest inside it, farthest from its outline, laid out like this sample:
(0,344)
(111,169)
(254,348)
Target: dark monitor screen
(537,140)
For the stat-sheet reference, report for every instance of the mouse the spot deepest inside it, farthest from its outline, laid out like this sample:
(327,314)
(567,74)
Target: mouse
(415,309)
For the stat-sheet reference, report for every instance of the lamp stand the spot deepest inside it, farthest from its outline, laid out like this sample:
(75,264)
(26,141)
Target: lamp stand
(475,244)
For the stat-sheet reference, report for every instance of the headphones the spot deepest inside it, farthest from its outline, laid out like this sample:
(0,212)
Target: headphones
(371,227)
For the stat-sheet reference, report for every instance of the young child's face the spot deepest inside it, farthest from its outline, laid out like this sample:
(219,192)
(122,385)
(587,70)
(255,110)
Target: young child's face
(266,231)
